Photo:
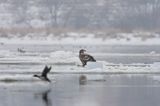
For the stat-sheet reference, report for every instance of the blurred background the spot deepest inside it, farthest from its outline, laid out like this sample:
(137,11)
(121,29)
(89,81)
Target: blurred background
(20,17)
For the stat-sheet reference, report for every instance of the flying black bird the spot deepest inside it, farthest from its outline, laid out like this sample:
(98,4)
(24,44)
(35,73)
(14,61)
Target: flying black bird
(43,76)
(85,57)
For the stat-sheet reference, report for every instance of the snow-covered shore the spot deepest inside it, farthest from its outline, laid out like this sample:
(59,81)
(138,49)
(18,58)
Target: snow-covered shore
(86,39)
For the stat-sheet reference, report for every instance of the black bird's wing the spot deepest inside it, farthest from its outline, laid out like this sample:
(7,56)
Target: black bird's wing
(49,68)
(45,71)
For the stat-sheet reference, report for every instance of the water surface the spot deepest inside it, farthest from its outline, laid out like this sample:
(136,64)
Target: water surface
(102,90)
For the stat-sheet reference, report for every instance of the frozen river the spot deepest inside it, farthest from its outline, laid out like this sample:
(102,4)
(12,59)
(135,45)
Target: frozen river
(110,53)
(108,85)
(64,58)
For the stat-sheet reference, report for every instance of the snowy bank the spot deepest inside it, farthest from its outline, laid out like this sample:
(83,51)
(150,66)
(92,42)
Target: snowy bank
(87,39)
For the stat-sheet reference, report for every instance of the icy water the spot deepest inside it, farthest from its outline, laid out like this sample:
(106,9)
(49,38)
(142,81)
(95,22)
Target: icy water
(129,50)
(65,90)
(19,88)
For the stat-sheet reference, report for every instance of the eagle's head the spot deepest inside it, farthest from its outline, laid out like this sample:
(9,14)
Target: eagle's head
(82,51)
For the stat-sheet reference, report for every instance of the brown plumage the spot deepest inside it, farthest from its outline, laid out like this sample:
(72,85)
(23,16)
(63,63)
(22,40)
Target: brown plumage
(85,57)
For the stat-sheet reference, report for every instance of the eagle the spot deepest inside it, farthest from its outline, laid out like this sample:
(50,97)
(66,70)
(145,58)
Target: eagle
(84,58)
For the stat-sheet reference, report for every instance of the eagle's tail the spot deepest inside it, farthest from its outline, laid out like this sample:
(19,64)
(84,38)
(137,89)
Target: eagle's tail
(92,59)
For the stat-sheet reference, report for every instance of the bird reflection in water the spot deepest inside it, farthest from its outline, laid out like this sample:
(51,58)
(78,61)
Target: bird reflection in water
(82,80)
(45,97)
